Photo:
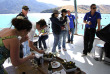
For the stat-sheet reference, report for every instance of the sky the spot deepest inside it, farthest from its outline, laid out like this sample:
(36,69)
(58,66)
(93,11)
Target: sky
(79,2)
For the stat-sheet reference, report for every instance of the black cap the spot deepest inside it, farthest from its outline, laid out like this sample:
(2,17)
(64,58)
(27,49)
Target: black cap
(25,8)
(63,10)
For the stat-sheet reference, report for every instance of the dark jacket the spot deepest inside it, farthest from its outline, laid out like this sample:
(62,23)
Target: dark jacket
(56,24)
(104,34)
(21,14)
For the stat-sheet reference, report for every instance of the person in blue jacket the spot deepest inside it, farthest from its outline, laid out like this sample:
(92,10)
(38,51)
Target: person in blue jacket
(72,27)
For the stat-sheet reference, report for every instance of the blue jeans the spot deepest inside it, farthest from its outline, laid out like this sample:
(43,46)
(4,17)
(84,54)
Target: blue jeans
(26,48)
(56,40)
(62,35)
(72,35)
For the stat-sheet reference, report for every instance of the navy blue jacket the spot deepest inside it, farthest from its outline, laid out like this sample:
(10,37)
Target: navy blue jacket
(56,25)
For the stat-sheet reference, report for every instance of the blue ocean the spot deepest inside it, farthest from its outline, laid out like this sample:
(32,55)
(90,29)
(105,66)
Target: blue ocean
(5,20)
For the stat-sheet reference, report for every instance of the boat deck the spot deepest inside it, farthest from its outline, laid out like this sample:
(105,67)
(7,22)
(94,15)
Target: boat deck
(73,53)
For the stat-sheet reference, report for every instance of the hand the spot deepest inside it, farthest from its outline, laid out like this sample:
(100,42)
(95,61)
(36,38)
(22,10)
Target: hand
(98,29)
(31,56)
(41,51)
(62,28)
(89,23)
(36,36)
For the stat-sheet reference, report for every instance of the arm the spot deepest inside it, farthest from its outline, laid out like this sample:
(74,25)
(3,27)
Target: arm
(44,33)
(30,41)
(39,33)
(56,21)
(98,21)
(36,35)
(33,47)
(85,20)
(69,28)
(68,21)
(14,53)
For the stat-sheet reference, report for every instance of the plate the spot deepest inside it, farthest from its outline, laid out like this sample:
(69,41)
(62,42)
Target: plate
(59,72)
(55,66)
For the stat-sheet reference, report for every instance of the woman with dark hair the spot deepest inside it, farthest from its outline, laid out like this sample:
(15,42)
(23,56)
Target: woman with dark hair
(56,28)
(10,44)
(64,30)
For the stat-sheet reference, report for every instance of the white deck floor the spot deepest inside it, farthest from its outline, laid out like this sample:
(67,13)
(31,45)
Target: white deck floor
(74,52)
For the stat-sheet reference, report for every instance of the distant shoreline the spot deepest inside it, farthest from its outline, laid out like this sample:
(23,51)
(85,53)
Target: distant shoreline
(44,13)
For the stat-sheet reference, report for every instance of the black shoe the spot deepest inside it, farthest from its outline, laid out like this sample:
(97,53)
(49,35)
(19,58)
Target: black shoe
(68,42)
(71,42)
(97,59)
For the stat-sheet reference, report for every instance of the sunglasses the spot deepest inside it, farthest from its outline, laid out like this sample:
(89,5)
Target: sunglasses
(94,8)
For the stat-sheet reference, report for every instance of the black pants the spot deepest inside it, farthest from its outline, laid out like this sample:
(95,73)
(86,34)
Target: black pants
(107,49)
(89,35)
(21,51)
(42,39)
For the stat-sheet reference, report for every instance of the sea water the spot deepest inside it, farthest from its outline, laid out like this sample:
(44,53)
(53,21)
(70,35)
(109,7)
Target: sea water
(5,20)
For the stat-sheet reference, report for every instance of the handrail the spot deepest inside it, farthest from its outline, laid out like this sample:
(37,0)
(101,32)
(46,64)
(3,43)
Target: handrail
(82,24)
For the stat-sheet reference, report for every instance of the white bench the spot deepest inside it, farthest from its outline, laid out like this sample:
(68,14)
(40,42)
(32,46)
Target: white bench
(101,54)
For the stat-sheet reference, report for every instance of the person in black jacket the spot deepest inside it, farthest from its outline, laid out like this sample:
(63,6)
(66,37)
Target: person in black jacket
(104,35)
(23,15)
(56,28)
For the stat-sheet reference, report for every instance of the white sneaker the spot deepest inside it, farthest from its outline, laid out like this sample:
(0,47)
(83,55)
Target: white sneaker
(55,53)
(45,49)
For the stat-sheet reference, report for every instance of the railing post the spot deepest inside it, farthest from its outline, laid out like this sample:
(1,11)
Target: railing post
(76,22)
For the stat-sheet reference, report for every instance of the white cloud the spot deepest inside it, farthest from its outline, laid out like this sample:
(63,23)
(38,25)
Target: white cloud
(89,2)
(57,2)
